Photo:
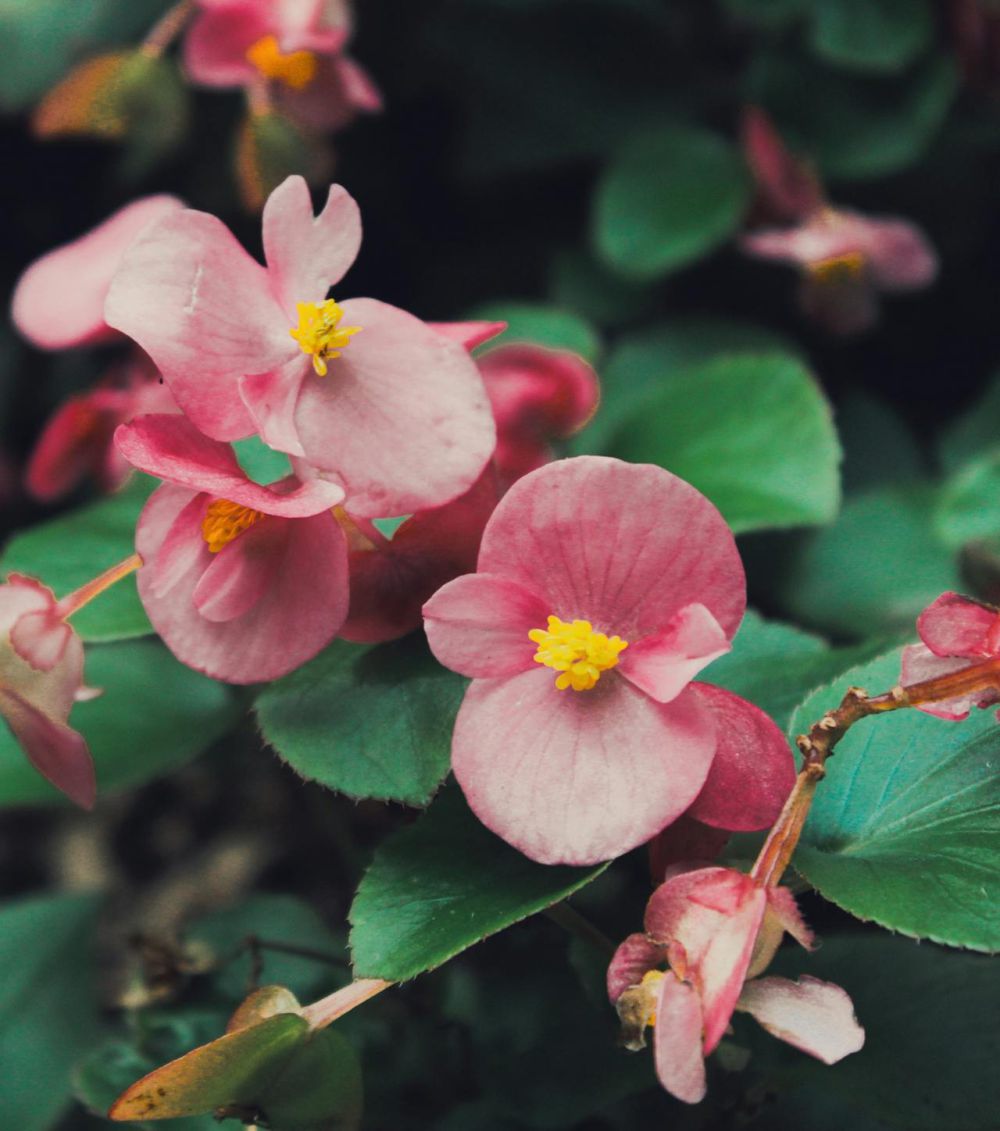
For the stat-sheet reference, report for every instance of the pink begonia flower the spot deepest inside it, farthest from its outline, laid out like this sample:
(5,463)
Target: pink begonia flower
(243,582)
(602,589)
(708,932)
(41,677)
(956,632)
(538,395)
(59,300)
(845,257)
(370,396)
(77,442)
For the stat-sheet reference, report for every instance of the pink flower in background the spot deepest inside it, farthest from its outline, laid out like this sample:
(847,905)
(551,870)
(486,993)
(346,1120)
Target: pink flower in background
(602,589)
(956,632)
(243,582)
(846,258)
(41,677)
(365,393)
(709,933)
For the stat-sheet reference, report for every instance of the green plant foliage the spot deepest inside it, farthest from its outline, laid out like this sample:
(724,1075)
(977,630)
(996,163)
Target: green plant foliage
(320,1088)
(968,507)
(442,885)
(871,35)
(263,464)
(70,550)
(48,1003)
(753,432)
(552,326)
(975,433)
(904,828)
(134,732)
(667,199)
(368,722)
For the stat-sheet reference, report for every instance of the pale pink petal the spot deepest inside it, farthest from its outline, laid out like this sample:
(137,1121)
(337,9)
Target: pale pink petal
(57,752)
(478,625)
(900,256)
(307,254)
(41,638)
(538,392)
(788,186)
(401,418)
(577,777)
(753,771)
(240,573)
(919,663)
(216,43)
(359,89)
(271,398)
(468,334)
(170,447)
(685,841)
(634,957)
(664,664)
(178,554)
(74,442)
(340,91)
(816,1017)
(781,903)
(59,300)
(625,546)
(959,626)
(203,309)
(677,1045)
(311,25)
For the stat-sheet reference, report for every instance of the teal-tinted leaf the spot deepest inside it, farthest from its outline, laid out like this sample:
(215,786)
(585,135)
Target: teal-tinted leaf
(753,432)
(369,722)
(905,828)
(442,885)
(879,447)
(871,35)
(263,464)
(975,433)
(48,1006)
(544,325)
(968,507)
(70,550)
(319,1089)
(154,714)
(668,198)
(579,282)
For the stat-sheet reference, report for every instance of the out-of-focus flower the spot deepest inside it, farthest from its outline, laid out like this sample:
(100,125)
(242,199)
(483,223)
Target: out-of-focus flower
(846,258)
(602,589)
(243,582)
(363,391)
(708,934)
(956,632)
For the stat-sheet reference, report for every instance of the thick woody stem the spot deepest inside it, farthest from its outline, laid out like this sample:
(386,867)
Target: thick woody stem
(167,29)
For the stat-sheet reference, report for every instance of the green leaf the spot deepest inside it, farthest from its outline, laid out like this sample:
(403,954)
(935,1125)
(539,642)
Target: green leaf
(263,464)
(154,715)
(320,1089)
(871,35)
(541,324)
(271,147)
(48,1007)
(668,198)
(968,508)
(368,722)
(975,433)
(753,432)
(879,446)
(578,281)
(442,885)
(70,550)
(905,829)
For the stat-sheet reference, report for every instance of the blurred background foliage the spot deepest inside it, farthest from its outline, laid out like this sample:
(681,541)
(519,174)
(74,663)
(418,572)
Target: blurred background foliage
(574,167)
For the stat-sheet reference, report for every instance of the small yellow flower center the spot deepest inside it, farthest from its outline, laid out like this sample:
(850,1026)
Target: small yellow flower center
(576,651)
(319,332)
(296,69)
(225,521)
(650,985)
(838,268)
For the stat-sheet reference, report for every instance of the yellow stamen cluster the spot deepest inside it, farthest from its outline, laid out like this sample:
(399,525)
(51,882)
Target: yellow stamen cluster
(576,651)
(225,521)
(296,69)
(319,332)
(838,268)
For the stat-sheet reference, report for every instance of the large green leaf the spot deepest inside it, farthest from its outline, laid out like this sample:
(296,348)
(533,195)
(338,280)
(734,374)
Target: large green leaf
(48,1007)
(968,508)
(552,326)
(974,433)
(368,722)
(871,35)
(753,432)
(442,885)
(70,550)
(905,829)
(668,198)
(154,714)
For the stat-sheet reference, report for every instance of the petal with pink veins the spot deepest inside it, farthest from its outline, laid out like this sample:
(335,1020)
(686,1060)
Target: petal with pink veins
(635,956)
(816,1017)
(954,625)
(271,398)
(664,664)
(677,1047)
(57,752)
(240,573)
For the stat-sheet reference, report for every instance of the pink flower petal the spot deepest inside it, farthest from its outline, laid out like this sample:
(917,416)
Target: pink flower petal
(478,625)
(216,43)
(664,664)
(959,626)
(577,777)
(468,334)
(271,399)
(340,91)
(901,258)
(816,1017)
(543,392)
(241,573)
(41,638)
(307,254)
(625,546)
(919,663)
(788,186)
(74,442)
(204,311)
(634,957)
(401,418)
(59,300)
(178,554)
(677,1046)
(57,752)
(172,448)
(753,771)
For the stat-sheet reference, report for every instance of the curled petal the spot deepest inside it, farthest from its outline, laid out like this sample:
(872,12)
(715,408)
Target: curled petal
(634,957)
(816,1017)
(468,334)
(664,664)
(57,752)
(958,626)
(41,638)
(677,1044)
(240,573)
(788,186)
(271,399)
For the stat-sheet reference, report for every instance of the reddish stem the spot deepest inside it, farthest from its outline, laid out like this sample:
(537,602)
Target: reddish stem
(167,29)
(75,601)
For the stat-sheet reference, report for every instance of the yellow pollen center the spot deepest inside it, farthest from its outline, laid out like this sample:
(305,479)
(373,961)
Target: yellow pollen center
(651,985)
(295,69)
(576,651)
(319,332)
(225,521)
(838,268)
